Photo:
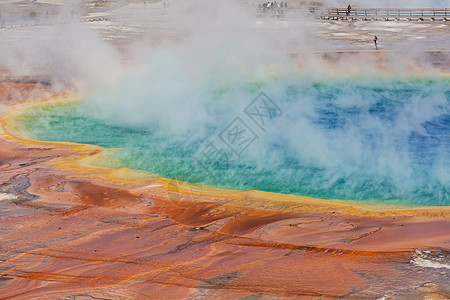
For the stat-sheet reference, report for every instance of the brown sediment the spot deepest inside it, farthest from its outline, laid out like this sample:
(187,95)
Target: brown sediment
(69,229)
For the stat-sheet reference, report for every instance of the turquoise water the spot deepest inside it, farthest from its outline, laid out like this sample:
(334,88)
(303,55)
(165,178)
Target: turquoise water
(381,140)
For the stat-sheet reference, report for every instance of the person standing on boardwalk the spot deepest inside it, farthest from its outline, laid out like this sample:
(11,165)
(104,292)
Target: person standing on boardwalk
(375,40)
(349,8)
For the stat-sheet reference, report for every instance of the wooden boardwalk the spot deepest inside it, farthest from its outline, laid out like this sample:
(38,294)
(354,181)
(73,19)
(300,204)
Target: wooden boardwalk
(384,14)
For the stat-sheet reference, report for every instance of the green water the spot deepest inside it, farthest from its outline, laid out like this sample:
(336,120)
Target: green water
(383,142)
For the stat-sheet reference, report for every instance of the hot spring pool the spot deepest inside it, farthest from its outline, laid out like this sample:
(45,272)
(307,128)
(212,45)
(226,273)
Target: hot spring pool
(378,140)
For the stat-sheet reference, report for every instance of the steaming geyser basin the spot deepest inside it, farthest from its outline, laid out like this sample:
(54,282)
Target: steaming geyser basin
(376,140)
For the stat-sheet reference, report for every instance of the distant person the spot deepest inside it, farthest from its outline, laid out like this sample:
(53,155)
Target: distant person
(349,8)
(375,40)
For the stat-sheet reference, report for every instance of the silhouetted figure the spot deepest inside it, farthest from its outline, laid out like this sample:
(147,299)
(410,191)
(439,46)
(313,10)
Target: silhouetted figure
(375,40)
(349,8)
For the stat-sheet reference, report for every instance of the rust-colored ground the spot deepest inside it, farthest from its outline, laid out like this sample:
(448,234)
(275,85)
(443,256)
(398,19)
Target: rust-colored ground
(68,231)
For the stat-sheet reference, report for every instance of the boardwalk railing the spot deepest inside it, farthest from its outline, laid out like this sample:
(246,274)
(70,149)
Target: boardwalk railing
(387,14)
